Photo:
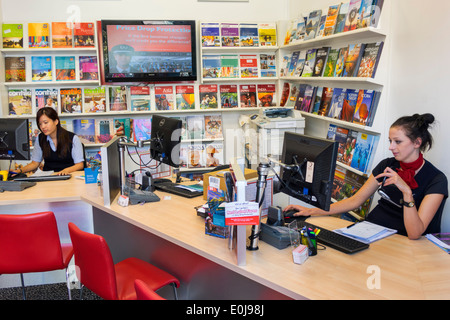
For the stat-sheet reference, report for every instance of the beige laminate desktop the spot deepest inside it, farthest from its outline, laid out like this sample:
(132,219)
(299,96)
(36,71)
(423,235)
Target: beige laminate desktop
(392,268)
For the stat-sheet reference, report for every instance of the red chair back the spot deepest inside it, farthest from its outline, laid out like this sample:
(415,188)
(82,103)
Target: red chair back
(143,292)
(29,243)
(94,263)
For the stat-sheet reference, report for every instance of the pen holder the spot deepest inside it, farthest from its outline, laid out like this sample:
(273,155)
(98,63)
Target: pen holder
(130,184)
(300,253)
(294,236)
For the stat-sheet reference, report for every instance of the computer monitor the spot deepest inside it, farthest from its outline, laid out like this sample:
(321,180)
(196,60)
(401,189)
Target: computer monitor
(14,139)
(165,140)
(111,173)
(309,171)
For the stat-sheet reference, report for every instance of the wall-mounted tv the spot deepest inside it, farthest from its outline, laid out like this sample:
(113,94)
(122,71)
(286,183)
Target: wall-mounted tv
(147,51)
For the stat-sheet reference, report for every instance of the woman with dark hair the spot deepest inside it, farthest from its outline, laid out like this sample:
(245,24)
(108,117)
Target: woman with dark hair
(413,191)
(60,149)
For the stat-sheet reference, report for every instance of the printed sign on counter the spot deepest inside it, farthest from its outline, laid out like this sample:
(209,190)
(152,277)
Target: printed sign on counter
(241,213)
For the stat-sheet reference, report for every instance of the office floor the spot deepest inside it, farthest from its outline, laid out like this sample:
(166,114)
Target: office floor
(57,291)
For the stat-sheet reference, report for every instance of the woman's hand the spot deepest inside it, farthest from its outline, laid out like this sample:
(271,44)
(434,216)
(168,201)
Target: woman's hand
(62,173)
(392,178)
(301,211)
(69,170)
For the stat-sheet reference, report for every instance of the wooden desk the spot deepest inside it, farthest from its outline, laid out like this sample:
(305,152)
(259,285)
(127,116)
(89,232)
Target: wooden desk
(407,269)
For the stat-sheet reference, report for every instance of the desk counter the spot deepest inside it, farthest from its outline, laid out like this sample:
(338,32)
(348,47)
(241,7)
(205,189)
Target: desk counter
(392,268)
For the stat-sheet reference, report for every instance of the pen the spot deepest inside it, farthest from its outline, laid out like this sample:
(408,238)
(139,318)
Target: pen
(351,225)
(307,238)
(312,237)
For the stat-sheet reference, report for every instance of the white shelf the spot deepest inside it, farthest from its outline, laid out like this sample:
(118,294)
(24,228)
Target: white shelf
(62,83)
(341,80)
(201,140)
(259,79)
(366,35)
(238,50)
(150,112)
(347,167)
(338,122)
(48,50)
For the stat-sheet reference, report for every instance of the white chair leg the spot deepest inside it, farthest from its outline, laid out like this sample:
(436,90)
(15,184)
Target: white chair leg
(68,284)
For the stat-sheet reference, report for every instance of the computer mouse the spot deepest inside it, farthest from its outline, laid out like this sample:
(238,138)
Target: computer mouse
(16,176)
(289,213)
(289,216)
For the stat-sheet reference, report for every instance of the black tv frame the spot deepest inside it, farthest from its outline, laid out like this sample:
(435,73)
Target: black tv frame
(144,77)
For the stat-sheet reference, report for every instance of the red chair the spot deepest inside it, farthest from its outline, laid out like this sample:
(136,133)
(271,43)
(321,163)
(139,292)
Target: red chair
(143,292)
(97,272)
(31,243)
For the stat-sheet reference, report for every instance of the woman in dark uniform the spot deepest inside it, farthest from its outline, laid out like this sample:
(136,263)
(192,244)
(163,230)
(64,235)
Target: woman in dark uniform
(60,149)
(413,190)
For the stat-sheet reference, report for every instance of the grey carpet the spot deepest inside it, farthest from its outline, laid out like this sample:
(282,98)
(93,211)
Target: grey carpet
(57,291)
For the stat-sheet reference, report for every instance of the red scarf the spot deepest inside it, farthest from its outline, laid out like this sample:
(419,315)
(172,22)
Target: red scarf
(408,171)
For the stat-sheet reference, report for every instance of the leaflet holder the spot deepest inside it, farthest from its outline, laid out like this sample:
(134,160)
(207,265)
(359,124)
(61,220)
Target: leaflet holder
(238,233)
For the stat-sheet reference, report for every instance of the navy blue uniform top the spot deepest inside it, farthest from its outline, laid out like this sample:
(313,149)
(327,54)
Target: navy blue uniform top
(430,181)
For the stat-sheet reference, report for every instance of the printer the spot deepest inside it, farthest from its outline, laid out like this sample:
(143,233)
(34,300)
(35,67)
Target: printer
(269,126)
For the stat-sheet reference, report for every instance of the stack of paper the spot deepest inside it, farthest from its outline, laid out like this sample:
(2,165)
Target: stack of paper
(192,187)
(442,240)
(41,173)
(366,232)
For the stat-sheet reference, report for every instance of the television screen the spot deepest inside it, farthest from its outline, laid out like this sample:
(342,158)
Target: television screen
(147,51)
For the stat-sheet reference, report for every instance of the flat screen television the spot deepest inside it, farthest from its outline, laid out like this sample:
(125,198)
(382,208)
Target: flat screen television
(14,139)
(310,173)
(147,51)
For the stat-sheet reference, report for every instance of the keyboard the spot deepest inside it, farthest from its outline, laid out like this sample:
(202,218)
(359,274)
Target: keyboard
(44,178)
(335,240)
(15,185)
(171,187)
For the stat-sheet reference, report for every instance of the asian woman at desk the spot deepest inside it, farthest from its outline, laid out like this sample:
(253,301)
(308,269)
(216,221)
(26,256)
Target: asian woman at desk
(60,149)
(412,190)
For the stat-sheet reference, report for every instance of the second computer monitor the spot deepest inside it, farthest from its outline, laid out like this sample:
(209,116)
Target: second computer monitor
(309,173)
(165,140)
(111,174)
(14,139)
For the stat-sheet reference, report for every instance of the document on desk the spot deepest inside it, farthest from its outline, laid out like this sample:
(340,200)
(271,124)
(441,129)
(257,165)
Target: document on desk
(366,232)
(193,187)
(40,173)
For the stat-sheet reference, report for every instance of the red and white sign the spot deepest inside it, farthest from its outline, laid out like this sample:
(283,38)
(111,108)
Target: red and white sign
(241,213)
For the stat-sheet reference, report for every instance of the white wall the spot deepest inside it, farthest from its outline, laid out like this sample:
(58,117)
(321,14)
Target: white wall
(419,74)
(47,10)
